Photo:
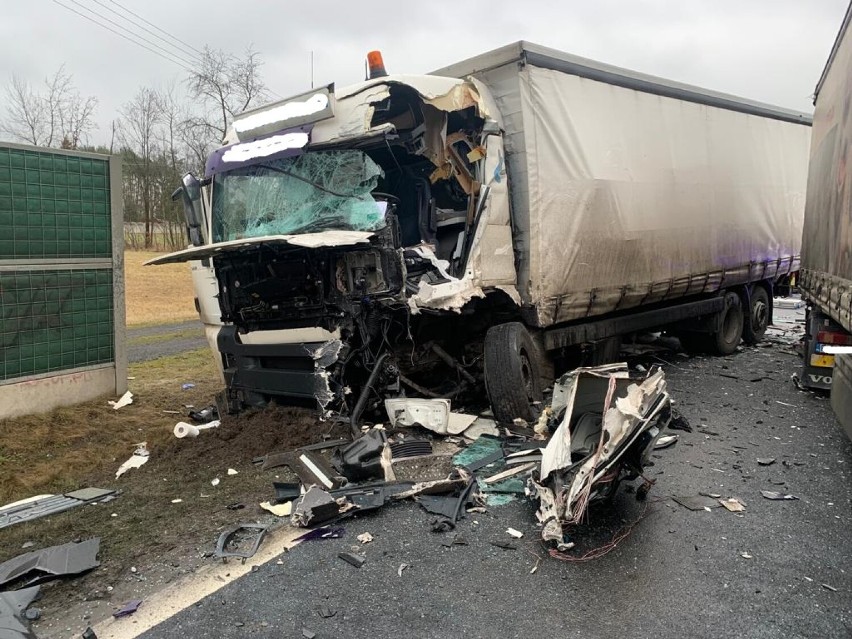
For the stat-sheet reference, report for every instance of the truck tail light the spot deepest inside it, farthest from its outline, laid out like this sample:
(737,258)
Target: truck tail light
(831,337)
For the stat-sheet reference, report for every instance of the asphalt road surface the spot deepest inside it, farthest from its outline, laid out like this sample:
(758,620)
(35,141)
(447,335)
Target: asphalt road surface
(151,342)
(780,569)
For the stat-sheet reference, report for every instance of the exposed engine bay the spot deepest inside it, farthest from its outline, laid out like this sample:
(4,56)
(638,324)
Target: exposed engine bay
(416,193)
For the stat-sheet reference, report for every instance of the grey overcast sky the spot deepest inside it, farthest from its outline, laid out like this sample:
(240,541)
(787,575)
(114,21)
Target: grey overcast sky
(767,50)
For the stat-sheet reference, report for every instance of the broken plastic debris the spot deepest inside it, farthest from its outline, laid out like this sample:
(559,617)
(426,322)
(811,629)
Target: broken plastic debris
(776,496)
(517,534)
(665,441)
(765,461)
(745,555)
(232,472)
(280,510)
(139,457)
(187,386)
(128,609)
(365,538)
(733,504)
(401,568)
(314,507)
(214,482)
(827,587)
(177,501)
(123,401)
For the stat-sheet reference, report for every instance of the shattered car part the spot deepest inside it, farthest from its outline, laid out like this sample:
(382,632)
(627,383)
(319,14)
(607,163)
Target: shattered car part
(229,536)
(314,507)
(700,502)
(312,469)
(285,491)
(274,460)
(433,414)
(776,496)
(665,442)
(410,448)
(324,532)
(50,563)
(733,505)
(13,606)
(352,559)
(43,505)
(139,457)
(607,426)
(362,458)
(128,609)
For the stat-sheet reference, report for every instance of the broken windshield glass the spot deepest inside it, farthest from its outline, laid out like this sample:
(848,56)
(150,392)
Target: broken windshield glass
(305,194)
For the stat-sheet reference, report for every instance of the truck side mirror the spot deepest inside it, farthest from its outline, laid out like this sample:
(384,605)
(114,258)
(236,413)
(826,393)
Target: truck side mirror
(190,193)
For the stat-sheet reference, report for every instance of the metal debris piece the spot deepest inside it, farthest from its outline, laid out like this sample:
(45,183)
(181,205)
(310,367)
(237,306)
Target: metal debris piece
(229,536)
(410,448)
(139,457)
(42,505)
(510,472)
(128,609)
(325,532)
(776,496)
(733,504)
(352,559)
(314,507)
(697,502)
(828,587)
(50,563)
(365,538)
(13,607)
(505,545)
(517,534)
(765,461)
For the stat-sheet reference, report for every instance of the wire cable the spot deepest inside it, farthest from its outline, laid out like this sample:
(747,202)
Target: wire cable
(186,44)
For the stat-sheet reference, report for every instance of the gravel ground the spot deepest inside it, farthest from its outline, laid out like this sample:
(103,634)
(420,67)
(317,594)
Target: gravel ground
(780,569)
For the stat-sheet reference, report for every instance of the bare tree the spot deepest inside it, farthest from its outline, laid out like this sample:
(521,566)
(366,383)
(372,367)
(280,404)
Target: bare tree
(227,85)
(138,131)
(59,116)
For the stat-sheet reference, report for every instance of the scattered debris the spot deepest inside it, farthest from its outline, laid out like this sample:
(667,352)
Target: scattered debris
(827,587)
(365,538)
(325,612)
(776,496)
(13,609)
(232,537)
(128,609)
(314,507)
(232,472)
(308,634)
(765,461)
(205,415)
(700,502)
(182,429)
(505,545)
(214,481)
(409,448)
(177,501)
(517,534)
(137,459)
(42,505)
(286,491)
(679,422)
(187,386)
(482,426)
(605,425)
(665,441)
(280,510)
(88,633)
(510,472)
(325,532)
(745,555)
(733,504)
(50,563)
(432,414)
(352,559)
(123,401)
(362,458)
(401,568)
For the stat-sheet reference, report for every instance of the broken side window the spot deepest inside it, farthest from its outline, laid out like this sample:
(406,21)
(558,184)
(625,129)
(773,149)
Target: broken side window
(309,193)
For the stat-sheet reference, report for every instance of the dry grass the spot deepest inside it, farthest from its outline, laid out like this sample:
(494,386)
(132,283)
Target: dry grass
(157,294)
(54,452)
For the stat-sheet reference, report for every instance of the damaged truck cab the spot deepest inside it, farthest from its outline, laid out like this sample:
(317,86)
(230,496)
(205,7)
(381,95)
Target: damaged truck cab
(433,236)
(376,217)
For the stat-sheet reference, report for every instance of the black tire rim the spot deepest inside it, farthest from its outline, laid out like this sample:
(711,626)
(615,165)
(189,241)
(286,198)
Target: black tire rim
(759,316)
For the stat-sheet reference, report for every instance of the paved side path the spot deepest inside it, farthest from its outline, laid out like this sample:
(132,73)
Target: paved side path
(144,343)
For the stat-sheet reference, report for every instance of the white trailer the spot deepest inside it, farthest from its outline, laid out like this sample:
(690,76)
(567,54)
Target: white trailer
(489,222)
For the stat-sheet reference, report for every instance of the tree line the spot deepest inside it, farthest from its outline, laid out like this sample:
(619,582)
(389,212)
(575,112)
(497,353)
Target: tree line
(160,134)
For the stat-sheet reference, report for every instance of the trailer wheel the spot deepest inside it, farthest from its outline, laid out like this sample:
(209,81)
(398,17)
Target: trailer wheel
(757,318)
(511,372)
(727,338)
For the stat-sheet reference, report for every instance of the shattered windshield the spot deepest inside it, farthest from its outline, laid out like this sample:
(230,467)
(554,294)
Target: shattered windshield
(312,192)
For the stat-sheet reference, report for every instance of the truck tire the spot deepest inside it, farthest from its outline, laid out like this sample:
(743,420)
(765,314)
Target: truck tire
(727,338)
(757,316)
(511,376)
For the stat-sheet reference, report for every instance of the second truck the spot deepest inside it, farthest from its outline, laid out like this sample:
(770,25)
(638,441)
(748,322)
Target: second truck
(487,225)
